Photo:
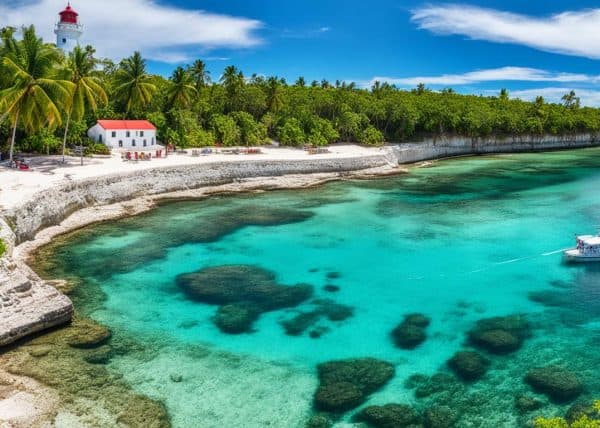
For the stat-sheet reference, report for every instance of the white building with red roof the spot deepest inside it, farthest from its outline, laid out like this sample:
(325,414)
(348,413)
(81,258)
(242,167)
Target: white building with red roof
(125,134)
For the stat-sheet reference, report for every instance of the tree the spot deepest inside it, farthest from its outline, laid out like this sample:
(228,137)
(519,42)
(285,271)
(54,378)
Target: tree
(181,90)
(571,100)
(503,96)
(226,130)
(200,74)
(87,92)
(301,83)
(34,96)
(291,133)
(133,85)
(274,101)
(233,82)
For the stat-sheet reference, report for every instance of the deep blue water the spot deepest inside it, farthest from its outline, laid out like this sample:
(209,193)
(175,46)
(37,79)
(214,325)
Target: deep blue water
(464,240)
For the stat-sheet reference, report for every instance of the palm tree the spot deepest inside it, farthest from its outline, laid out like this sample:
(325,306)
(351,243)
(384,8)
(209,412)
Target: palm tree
(301,82)
(88,91)
(233,81)
(181,90)
(274,95)
(133,86)
(34,96)
(571,100)
(503,94)
(200,74)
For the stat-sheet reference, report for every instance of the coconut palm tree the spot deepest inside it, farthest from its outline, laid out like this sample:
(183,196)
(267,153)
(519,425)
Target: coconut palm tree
(34,96)
(87,92)
(133,85)
(274,96)
(181,90)
(200,74)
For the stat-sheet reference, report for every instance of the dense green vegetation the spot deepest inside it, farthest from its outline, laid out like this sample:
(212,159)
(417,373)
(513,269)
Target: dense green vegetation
(2,248)
(47,98)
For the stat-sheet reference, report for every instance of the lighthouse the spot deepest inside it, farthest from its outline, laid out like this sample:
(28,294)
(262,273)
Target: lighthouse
(68,30)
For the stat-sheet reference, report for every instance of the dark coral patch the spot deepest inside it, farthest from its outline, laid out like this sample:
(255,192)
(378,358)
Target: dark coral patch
(244,292)
(411,332)
(345,384)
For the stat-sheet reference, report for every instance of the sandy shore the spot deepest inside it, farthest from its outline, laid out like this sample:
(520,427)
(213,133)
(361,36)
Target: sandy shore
(16,187)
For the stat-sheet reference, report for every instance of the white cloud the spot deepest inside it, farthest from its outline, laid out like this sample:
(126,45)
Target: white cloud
(118,27)
(572,33)
(305,34)
(521,74)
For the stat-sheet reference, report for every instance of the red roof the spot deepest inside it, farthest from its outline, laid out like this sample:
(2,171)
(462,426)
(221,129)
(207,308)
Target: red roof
(133,125)
(68,16)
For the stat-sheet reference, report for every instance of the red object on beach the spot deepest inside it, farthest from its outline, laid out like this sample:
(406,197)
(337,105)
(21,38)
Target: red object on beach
(136,155)
(23,167)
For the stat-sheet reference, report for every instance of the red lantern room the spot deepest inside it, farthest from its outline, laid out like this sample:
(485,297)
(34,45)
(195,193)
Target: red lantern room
(68,16)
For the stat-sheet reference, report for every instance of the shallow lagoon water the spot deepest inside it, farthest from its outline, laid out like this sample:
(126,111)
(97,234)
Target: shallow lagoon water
(467,239)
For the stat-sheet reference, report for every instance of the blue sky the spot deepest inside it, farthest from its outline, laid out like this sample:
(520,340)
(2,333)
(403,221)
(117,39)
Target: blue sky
(476,47)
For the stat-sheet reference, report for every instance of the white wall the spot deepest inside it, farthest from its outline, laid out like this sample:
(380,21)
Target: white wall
(121,139)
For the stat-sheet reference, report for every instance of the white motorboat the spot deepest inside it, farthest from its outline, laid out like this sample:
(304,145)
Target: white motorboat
(587,250)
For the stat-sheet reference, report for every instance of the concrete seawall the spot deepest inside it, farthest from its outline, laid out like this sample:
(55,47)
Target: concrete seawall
(459,146)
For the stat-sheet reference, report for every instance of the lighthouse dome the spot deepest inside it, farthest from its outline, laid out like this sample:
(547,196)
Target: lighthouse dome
(68,16)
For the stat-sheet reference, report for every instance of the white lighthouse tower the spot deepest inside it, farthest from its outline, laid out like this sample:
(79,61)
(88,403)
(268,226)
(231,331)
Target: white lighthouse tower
(68,30)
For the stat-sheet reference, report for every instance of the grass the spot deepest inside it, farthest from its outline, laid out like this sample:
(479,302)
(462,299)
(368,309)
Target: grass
(2,248)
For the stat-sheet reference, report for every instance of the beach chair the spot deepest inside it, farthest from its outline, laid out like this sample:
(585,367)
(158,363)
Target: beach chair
(136,156)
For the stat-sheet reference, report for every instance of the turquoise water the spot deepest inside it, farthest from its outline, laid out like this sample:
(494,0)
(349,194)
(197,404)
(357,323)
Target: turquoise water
(464,240)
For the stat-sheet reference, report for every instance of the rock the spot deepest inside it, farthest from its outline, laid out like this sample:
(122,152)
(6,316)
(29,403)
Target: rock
(236,318)
(298,324)
(525,404)
(101,355)
(419,320)
(438,383)
(319,421)
(40,351)
(557,383)
(500,335)
(333,275)
(345,384)
(439,417)
(330,288)
(177,378)
(324,308)
(411,332)
(318,332)
(468,365)
(415,381)
(389,416)
(338,397)
(88,335)
(582,409)
(223,285)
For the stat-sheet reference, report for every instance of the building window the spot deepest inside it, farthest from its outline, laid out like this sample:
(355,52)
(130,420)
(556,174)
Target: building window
(152,140)
(128,134)
(145,143)
(120,143)
(141,133)
(114,134)
(136,133)
(64,41)
(133,143)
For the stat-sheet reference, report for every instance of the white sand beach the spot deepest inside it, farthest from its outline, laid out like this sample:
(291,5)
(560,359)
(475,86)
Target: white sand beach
(46,171)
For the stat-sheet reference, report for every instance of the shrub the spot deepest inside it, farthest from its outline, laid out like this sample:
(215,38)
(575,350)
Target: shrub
(2,248)
(97,149)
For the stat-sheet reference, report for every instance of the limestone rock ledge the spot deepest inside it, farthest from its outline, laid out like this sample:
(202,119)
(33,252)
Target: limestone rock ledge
(28,304)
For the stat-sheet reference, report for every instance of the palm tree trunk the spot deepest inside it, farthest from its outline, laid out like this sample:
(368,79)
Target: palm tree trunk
(65,136)
(12,141)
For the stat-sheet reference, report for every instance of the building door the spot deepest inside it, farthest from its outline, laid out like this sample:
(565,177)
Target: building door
(100,138)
